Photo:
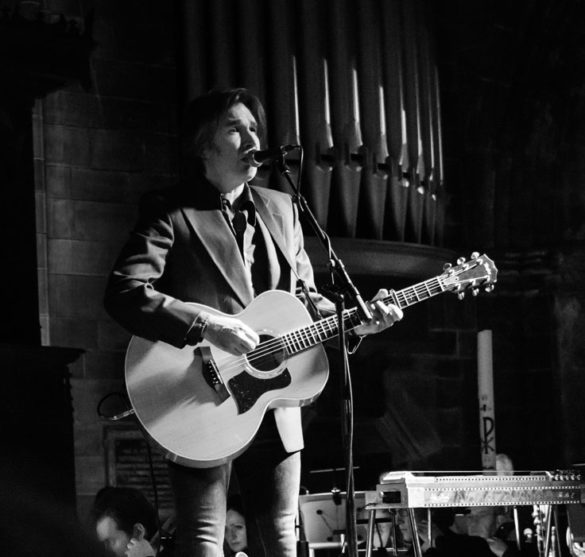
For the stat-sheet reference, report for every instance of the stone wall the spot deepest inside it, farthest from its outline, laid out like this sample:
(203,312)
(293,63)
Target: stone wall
(96,151)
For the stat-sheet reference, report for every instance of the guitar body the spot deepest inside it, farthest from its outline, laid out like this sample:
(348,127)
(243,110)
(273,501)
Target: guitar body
(202,405)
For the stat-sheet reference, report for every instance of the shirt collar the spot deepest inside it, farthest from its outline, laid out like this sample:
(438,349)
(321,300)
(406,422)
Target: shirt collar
(244,203)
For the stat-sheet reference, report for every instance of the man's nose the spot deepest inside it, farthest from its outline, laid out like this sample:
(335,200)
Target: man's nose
(250,140)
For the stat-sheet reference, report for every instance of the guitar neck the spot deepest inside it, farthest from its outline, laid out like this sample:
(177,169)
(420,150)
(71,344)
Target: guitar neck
(326,329)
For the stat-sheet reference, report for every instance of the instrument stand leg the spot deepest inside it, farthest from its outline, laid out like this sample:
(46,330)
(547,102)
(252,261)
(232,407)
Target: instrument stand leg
(547,530)
(517,528)
(393,538)
(370,538)
(414,530)
(560,549)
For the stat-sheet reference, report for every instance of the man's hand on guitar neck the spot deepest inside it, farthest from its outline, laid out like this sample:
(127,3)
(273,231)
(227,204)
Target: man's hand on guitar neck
(230,334)
(383,315)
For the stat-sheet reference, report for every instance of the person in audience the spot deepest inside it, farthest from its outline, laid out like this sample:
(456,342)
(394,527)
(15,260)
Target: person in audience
(482,522)
(496,524)
(236,537)
(576,549)
(444,540)
(124,522)
(485,522)
(405,537)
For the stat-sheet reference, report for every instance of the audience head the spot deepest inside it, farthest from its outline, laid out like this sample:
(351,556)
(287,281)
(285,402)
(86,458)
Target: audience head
(481,521)
(120,514)
(504,465)
(235,526)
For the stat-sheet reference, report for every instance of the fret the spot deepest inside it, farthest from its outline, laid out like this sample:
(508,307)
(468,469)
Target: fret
(316,338)
(428,289)
(408,297)
(303,339)
(296,341)
(326,331)
(400,299)
(287,344)
(309,336)
(419,294)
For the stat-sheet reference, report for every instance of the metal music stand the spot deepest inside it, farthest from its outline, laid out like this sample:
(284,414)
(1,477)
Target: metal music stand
(324,520)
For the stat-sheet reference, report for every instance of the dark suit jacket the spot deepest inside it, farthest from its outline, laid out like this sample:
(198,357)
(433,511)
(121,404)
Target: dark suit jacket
(182,250)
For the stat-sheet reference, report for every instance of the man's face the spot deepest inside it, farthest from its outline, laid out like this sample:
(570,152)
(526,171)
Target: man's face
(115,540)
(235,531)
(224,162)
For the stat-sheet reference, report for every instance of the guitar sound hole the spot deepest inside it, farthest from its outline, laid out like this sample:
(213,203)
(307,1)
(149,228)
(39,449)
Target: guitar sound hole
(268,355)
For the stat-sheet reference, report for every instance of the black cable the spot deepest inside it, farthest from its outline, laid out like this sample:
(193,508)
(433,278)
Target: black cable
(117,416)
(155,495)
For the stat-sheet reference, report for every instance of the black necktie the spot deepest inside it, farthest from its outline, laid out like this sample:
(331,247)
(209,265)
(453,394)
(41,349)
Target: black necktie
(239,223)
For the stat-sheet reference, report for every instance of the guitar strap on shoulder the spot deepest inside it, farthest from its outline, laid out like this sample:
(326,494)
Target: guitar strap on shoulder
(276,235)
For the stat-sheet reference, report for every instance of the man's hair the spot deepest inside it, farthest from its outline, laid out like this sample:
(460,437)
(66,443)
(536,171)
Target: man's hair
(127,506)
(203,114)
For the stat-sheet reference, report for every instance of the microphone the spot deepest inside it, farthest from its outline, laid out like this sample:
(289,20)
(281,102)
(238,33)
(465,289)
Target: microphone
(258,158)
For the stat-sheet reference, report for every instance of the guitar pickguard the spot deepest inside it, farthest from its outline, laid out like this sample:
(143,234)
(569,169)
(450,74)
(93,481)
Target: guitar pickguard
(247,389)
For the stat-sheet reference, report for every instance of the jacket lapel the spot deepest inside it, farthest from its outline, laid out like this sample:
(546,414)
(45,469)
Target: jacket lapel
(274,222)
(210,227)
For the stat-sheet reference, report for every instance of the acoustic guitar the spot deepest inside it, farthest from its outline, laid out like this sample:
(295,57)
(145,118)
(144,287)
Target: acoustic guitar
(202,406)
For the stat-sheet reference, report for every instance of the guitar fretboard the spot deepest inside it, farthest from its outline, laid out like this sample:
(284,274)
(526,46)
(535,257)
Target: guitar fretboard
(321,331)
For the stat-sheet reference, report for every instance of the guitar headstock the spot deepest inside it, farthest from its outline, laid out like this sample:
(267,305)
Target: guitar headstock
(479,272)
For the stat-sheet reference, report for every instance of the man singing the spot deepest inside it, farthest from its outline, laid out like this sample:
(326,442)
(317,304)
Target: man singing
(219,241)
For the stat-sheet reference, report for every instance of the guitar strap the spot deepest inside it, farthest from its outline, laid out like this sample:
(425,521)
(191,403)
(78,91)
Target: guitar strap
(276,235)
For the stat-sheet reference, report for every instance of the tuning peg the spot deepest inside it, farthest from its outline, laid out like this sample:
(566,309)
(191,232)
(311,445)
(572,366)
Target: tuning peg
(489,287)
(461,295)
(447,266)
(475,255)
(475,291)
(460,261)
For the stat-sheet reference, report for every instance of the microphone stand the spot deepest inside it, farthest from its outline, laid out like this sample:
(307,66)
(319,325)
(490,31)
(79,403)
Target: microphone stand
(303,548)
(341,291)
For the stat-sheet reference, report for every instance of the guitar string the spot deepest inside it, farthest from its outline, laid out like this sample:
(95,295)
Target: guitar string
(298,338)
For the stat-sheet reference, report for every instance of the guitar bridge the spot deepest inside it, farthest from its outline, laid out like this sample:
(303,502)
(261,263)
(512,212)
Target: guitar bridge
(211,373)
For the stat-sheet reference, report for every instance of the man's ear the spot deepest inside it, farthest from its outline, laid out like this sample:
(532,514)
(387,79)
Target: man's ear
(138,531)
